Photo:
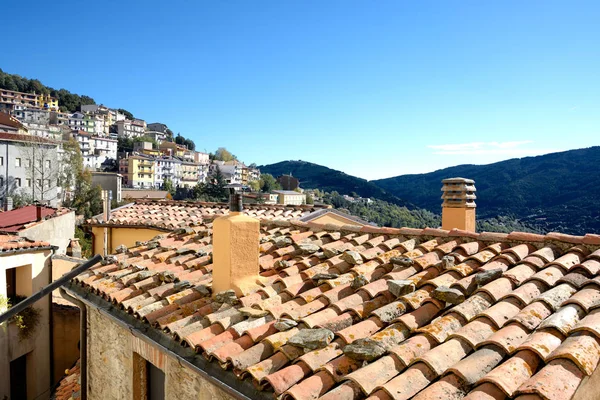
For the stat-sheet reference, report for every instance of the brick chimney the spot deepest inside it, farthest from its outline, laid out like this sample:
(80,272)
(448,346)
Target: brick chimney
(236,241)
(38,212)
(458,206)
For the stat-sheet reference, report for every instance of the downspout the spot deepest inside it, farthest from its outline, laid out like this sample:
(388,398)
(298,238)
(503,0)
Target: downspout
(82,340)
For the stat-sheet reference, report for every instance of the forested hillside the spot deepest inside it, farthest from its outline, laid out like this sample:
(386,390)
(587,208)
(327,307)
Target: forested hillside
(556,192)
(316,176)
(67,101)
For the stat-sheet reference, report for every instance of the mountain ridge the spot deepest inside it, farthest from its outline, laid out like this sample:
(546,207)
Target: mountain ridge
(553,192)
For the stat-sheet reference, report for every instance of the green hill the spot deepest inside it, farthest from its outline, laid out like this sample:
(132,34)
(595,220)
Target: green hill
(314,176)
(556,192)
(386,209)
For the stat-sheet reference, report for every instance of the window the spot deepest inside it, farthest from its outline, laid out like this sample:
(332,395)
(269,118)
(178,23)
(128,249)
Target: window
(17,162)
(1,181)
(39,163)
(1,160)
(38,182)
(28,182)
(47,183)
(48,163)
(18,182)
(28,163)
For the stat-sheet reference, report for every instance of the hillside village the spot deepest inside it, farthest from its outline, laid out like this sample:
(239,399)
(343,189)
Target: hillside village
(134,266)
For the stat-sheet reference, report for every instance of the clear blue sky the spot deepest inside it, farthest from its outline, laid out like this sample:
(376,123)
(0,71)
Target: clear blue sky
(373,88)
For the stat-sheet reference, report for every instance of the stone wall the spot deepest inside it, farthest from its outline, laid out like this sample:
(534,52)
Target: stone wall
(112,361)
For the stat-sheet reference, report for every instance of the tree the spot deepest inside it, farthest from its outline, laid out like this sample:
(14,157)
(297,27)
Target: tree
(268,183)
(168,186)
(71,166)
(254,185)
(222,154)
(42,168)
(189,143)
(126,113)
(124,144)
(309,200)
(88,198)
(215,188)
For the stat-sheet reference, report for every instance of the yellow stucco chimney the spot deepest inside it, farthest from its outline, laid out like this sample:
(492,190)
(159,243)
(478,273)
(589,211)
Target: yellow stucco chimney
(235,250)
(458,206)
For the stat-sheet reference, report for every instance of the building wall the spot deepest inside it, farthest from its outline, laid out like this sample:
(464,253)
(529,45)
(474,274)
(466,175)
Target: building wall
(293,199)
(109,181)
(112,364)
(118,236)
(58,231)
(330,218)
(9,168)
(65,321)
(37,346)
(65,338)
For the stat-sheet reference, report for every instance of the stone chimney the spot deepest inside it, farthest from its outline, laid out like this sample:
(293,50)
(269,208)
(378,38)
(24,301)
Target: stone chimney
(458,206)
(236,241)
(74,249)
(8,203)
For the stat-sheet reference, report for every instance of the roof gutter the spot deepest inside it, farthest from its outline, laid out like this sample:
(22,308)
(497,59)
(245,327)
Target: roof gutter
(209,371)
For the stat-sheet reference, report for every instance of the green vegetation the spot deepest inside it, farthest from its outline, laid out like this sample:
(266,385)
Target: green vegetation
(213,190)
(126,113)
(27,320)
(383,213)
(329,180)
(268,183)
(67,101)
(125,144)
(186,142)
(85,241)
(554,192)
(222,154)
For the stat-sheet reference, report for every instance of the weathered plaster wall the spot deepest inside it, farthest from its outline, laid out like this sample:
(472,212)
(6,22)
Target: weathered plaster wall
(65,330)
(111,365)
(57,231)
(37,346)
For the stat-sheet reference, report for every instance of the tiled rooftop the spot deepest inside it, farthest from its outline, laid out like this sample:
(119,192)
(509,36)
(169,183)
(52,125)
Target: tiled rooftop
(9,243)
(24,217)
(178,214)
(70,386)
(518,318)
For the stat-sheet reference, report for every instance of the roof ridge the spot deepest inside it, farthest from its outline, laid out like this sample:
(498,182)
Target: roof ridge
(588,239)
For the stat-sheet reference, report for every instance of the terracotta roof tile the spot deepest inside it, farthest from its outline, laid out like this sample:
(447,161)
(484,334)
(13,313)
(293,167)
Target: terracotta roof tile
(532,330)
(69,387)
(9,243)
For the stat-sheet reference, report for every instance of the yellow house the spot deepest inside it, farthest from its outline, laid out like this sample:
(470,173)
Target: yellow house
(333,217)
(138,171)
(47,101)
(189,174)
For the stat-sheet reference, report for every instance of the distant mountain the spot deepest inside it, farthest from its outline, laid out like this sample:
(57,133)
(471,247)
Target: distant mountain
(557,192)
(316,176)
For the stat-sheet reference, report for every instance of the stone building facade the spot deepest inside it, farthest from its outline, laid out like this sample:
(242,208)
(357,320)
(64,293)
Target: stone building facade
(118,363)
